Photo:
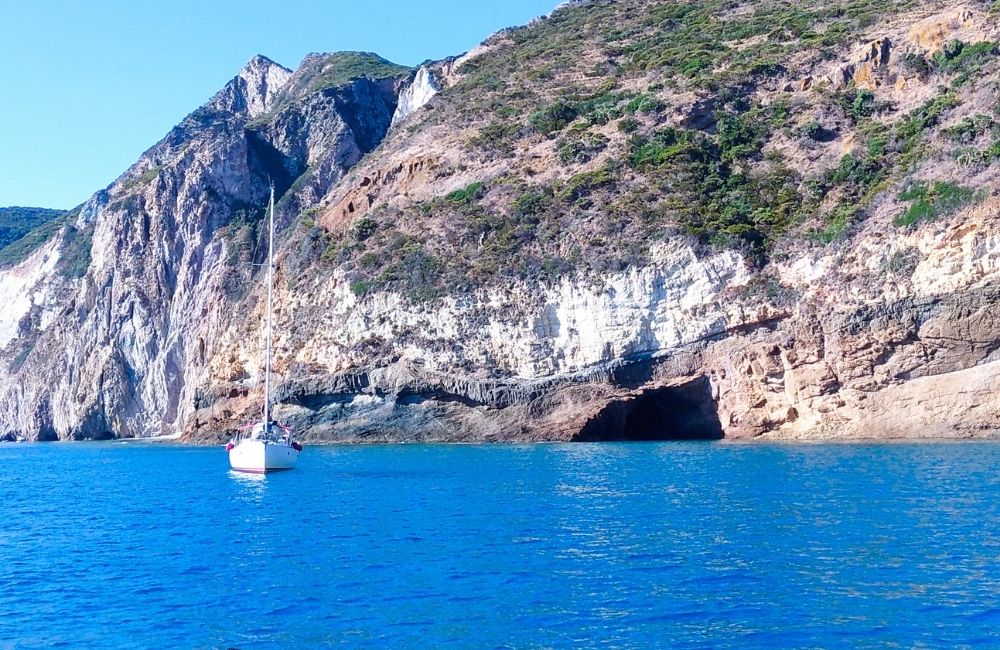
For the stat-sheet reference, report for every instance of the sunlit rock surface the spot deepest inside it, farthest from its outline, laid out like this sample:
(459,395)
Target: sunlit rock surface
(143,316)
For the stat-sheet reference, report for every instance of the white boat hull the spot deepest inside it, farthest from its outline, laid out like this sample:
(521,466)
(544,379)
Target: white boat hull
(260,457)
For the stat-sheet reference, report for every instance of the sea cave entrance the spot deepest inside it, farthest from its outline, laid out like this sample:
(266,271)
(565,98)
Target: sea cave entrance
(684,412)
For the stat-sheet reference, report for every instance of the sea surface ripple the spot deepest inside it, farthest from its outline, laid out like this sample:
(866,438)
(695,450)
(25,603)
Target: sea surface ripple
(680,545)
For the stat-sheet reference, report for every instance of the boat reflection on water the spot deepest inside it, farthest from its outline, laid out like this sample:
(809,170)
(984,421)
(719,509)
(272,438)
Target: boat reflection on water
(252,488)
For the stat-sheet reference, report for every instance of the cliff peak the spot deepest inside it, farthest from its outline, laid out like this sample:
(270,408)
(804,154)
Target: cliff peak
(321,71)
(326,70)
(260,60)
(263,78)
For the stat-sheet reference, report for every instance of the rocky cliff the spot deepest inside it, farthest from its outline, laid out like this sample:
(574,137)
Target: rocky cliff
(627,220)
(109,323)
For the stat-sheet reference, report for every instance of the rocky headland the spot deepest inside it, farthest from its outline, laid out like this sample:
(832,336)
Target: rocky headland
(625,220)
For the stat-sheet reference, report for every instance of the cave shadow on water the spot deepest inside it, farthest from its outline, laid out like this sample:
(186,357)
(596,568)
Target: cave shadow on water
(685,412)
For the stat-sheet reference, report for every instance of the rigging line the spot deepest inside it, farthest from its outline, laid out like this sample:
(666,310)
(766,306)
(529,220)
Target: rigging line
(270,302)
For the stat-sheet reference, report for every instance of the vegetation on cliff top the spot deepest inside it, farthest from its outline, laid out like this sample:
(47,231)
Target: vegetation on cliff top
(611,125)
(332,70)
(22,230)
(320,72)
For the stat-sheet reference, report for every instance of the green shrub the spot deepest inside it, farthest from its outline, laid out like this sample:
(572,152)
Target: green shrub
(360,287)
(142,179)
(554,117)
(581,185)
(859,104)
(858,172)
(739,137)
(628,125)
(915,65)
(652,152)
(836,224)
(706,189)
(582,148)
(643,104)
(908,133)
(877,146)
(363,228)
(969,128)
(812,130)
(418,274)
(466,195)
(600,108)
(963,58)
(929,201)
(27,345)
(980,156)
(339,68)
(74,259)
(531,204)
(499,136)
(307,218)
(243,235)
(707,176)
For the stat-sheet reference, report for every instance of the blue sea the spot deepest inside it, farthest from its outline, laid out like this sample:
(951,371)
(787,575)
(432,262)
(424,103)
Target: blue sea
(671,545)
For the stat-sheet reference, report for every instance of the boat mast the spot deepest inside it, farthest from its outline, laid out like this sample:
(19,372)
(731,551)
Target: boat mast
(270,292)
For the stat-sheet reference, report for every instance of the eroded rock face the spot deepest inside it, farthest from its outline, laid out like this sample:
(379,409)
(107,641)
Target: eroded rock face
(584,361)
(117,346)
(415,96)
(960,22)
(880,61)
(867,67)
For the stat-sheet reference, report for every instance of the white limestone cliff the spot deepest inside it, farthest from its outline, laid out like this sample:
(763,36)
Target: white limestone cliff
(416,95)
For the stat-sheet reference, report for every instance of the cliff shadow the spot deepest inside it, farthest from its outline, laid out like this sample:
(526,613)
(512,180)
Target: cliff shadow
(685,412)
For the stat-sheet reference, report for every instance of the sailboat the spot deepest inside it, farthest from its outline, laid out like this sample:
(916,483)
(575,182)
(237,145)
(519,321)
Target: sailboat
(266,446)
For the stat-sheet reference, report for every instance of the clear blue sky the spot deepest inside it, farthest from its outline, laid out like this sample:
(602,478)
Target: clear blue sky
(88,86)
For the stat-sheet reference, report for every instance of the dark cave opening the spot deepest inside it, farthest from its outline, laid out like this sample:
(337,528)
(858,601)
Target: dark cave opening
(685,412)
